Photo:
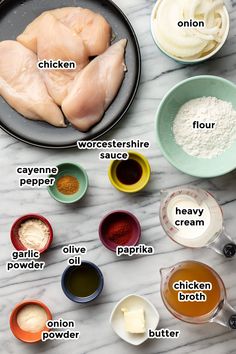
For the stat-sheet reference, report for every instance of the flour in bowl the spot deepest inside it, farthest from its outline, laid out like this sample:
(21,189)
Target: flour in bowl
(205,127)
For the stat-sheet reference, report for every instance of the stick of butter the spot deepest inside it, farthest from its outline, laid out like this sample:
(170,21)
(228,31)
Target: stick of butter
(134,320)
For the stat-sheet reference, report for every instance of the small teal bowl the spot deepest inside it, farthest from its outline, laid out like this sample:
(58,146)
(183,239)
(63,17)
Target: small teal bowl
(195,87)
(70,169)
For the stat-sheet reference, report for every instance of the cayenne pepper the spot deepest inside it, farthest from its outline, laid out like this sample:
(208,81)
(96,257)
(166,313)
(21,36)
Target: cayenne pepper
(68,185)
(119,232)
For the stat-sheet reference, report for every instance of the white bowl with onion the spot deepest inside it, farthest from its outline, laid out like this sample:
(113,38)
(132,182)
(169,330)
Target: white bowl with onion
(204,43)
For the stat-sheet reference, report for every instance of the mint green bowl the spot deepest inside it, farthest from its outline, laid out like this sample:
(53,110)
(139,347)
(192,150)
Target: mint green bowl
(186,90)
(70,169)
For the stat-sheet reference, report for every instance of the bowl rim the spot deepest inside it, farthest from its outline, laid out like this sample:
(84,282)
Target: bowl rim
(189,61)
(17,308)
(144,299)
(120,211)
(24,218)
(86,299)
(159,141)
(136,189)
(79,167)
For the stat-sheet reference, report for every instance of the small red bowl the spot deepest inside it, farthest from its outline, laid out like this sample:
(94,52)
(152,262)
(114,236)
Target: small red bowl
(15,236)
(113,217)
(27,337)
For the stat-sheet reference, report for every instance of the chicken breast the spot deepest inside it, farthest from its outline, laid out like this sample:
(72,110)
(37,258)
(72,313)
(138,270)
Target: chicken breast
(22,86)
(95,87)
(94,30)
(92,27)
(57,41)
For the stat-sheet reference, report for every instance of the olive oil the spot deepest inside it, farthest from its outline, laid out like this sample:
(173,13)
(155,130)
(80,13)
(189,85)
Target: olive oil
(83,280)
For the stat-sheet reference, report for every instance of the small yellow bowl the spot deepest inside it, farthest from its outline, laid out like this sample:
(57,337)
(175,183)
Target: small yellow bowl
(140,184)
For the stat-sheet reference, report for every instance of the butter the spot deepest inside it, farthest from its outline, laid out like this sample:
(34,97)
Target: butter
(134,320)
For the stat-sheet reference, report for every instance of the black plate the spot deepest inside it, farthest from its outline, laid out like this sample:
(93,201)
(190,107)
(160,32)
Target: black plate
(14,17)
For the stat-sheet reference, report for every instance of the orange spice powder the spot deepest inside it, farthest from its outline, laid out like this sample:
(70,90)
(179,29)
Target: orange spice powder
(68,185)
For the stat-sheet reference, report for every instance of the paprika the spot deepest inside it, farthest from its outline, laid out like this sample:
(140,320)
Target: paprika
(119,232)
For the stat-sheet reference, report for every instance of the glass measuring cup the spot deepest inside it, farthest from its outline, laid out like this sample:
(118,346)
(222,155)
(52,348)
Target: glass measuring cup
(214,309)
(210,233)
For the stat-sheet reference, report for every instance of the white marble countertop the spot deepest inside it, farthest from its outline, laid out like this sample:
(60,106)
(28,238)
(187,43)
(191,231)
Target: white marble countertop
(79,224)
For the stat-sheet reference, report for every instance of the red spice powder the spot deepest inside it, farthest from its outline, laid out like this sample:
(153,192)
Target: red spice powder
(119,232)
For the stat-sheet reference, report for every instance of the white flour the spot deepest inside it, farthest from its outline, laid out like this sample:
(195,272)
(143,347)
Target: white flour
(205,143)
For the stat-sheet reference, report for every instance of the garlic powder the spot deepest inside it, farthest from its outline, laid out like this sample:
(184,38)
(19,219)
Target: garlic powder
(34,234)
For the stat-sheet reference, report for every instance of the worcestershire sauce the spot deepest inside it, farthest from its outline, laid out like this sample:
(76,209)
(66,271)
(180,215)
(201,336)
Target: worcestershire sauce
(129,172)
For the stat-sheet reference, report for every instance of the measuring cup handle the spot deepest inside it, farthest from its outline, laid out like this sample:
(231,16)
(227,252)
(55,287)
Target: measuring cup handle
(224,245)
(226,316)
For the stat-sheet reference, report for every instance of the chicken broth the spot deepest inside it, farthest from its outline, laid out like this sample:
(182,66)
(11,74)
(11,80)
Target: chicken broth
(192,272)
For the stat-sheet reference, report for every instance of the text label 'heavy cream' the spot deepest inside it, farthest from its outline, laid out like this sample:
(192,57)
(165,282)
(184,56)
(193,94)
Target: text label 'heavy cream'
(197,212)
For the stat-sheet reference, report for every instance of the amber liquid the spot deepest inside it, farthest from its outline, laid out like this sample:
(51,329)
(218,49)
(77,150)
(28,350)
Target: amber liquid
(201,273)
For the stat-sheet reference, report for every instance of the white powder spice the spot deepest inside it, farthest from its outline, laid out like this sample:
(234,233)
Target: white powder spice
(205,143)
(32,318)
(34,234)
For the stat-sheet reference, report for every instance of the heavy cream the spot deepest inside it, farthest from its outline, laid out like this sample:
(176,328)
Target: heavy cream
(191,217)
(190,29)
(32,318)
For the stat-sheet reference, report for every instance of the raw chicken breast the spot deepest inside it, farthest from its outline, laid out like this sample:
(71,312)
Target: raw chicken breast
(92,27)
(95,87)
(22,86)
(57,41)
(94,30)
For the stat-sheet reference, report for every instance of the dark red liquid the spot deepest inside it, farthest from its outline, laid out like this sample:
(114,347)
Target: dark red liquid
(129,172)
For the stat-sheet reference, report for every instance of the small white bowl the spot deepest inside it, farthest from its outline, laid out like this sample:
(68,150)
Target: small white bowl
(133,302)
(188,61)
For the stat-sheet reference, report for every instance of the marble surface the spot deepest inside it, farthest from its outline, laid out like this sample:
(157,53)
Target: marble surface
(78,224)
